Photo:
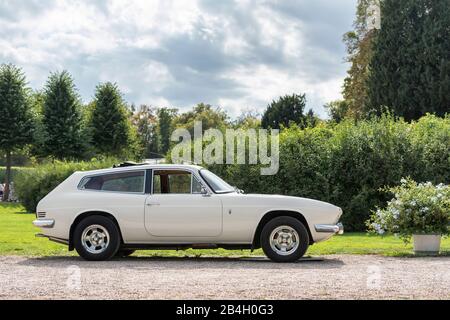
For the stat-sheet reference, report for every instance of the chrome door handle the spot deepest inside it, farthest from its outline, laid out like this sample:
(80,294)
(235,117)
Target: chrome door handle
(152,204)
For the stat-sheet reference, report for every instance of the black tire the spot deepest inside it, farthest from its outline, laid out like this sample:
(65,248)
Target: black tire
(112,244)
(303,239)
(124,253)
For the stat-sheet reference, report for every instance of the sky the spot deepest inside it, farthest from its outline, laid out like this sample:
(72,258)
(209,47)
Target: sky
(238,55)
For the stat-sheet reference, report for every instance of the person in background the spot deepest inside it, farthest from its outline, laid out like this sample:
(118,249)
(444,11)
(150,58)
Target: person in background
(1,191)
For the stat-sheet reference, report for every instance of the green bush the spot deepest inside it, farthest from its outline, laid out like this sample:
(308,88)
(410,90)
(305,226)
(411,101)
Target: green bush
(364,158)
(32,185)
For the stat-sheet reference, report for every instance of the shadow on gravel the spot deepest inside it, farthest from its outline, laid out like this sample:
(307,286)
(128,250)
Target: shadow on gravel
(185,262)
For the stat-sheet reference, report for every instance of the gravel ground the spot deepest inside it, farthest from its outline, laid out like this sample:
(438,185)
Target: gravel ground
(327,277)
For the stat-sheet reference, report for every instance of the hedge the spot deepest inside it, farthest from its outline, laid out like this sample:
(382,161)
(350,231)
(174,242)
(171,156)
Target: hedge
(347,163)
(32,185)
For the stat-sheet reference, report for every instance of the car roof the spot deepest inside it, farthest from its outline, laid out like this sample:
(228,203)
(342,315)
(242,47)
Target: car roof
(143,166)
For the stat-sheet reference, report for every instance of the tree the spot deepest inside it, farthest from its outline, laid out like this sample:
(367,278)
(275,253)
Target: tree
(359,43)
(165,126)
(61,118)
(337,110)
(210,117)
(16,120)
(108,122)
(311,119)
(146,123)
(285,110)
(37,99)
(411,59)
(250,119)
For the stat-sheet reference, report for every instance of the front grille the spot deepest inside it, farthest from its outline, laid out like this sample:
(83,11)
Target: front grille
(41,214)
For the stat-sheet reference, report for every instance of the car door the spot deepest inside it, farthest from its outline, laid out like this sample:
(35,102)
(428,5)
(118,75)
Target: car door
(178,208)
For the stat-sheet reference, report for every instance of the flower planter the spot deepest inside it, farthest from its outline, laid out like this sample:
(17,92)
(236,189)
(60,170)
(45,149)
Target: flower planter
(427,243)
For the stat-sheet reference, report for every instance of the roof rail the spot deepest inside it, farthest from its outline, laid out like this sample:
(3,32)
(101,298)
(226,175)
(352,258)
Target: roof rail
(128,164)
(147,162)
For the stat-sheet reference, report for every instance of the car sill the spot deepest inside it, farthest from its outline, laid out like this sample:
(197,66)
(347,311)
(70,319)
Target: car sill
(57,240)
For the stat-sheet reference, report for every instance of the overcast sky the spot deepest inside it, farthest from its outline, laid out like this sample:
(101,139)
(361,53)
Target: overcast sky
(235,54)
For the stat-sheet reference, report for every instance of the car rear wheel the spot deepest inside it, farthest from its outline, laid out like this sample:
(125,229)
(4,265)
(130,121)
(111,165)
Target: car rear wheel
(284,239)
(97,238)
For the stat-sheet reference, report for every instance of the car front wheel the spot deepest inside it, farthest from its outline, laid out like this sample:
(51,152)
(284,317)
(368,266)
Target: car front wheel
(284,239)
(97,238)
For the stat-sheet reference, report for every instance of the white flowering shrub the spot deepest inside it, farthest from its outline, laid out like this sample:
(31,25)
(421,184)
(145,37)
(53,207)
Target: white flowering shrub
(417,208)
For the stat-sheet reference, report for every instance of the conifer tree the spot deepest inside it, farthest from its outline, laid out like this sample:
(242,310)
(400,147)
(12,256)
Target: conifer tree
(61,118)
(165,126)
(16,120)
(411,59)
(109,124)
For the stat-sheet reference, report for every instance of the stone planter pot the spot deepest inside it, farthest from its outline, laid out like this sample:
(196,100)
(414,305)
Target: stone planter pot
(427,243)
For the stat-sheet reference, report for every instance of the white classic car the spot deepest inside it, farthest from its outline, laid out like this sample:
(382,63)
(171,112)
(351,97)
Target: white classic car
(113,212)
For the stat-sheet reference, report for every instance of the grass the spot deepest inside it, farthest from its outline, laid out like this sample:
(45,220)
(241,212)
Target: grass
(17,237)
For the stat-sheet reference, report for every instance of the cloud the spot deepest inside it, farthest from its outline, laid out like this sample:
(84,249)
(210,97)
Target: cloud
(236,54)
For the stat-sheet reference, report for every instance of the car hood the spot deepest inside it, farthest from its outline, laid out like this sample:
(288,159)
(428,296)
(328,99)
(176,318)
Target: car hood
(309,207)
(281,199)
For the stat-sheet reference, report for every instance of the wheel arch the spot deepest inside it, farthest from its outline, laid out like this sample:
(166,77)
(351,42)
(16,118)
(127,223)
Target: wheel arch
(274,214)
(86,214)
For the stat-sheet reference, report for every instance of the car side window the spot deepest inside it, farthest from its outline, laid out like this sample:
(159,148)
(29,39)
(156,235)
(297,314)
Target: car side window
(156,183)
(175,181)
(130,181)
(196,186)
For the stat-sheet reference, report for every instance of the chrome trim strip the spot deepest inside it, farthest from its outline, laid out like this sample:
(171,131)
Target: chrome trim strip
(330,228)
(44,223)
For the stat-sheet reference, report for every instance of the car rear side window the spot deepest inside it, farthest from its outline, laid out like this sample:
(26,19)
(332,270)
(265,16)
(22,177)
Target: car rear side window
(130,181)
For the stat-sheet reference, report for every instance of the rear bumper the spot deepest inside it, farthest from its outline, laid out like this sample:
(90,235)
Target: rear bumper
(44,223)
(330,228)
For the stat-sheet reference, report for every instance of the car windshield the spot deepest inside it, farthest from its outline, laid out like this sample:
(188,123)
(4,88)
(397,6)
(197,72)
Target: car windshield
(215,182)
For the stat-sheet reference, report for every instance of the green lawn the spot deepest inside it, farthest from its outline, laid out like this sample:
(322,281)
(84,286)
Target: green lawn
(17,238)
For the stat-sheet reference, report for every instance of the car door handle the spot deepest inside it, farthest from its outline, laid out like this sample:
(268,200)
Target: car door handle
(152,203)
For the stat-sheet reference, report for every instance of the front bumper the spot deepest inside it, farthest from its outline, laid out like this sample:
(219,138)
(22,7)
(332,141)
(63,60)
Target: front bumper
(44,223)
(330,228)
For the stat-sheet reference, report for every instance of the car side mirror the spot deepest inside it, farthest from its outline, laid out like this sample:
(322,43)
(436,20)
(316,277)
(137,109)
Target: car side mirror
(205,192)
(238,190)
